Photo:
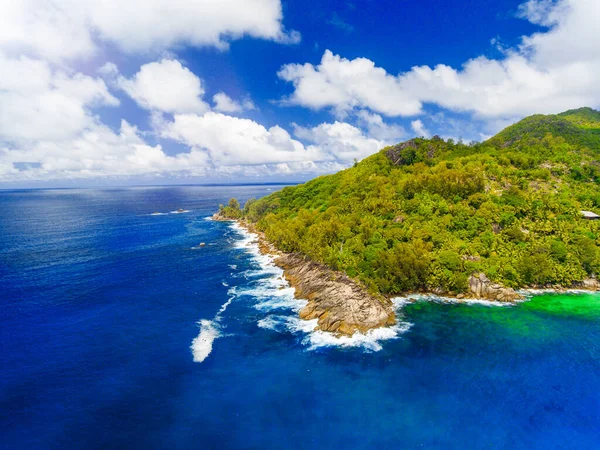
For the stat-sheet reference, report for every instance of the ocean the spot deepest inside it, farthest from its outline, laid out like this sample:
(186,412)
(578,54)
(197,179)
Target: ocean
(118,330)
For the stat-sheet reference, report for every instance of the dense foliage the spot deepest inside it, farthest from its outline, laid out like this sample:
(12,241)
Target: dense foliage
(429,213)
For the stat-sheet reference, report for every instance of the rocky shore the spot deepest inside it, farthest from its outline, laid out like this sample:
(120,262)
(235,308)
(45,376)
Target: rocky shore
(343,306)
(339,303)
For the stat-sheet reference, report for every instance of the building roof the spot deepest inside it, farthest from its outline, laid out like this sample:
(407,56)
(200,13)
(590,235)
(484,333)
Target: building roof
(590,215)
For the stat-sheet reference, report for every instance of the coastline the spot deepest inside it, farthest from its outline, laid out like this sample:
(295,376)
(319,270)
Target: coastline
(342,306)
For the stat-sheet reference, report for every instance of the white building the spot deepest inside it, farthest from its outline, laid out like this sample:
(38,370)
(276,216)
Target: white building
(590,215)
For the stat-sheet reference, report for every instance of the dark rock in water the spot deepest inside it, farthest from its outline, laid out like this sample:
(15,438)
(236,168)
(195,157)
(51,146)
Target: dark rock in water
(339,303)
(481,287)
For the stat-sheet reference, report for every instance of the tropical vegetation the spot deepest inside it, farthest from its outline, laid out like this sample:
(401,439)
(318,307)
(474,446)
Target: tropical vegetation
(428,213)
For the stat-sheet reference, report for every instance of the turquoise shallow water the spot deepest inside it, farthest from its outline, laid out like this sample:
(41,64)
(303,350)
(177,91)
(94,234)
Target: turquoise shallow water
(118,331)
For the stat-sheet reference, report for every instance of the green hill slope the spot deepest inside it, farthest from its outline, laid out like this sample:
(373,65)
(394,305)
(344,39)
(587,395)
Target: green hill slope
(579,127)
(426,214)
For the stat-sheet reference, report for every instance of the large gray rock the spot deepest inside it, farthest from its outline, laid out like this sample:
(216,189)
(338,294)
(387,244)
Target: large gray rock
(339,303)
(482,287)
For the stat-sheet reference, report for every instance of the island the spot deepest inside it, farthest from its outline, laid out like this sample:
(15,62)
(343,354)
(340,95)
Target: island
(465,220)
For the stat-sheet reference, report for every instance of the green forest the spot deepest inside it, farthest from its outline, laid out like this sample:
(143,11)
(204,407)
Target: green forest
(427,213)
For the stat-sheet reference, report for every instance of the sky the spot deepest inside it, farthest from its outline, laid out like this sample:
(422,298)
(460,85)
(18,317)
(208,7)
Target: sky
(129,92)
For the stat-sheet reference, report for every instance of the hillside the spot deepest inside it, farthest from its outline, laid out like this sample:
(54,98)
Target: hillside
(426,214)
(578,127)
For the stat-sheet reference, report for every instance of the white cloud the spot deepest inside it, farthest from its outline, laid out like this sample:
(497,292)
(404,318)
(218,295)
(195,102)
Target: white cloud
(166,86)
(233,141)
(48,129)
(96,152)
(50,29)
(378,129)
(419,128)
(340,139)
(66,29)
(343,85)
(551,71)
(108,70)
(542,12)
(224,103)
(291,169)
(39,103)
(220,146)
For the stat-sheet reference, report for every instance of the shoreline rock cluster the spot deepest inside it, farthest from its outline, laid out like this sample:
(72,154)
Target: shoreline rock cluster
(482,287)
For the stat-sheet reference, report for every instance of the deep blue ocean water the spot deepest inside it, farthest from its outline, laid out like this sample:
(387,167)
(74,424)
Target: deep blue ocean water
(118,331)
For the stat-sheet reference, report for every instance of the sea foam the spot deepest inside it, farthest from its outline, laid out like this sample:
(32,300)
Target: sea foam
(400,302)
(209,331)
(272,293)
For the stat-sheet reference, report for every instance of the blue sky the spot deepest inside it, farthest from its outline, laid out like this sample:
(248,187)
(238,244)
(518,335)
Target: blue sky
(177,91)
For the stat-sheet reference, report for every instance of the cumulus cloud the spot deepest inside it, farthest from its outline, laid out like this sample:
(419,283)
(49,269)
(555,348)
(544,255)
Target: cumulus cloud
(419,127)
(232,141)
(39,103)
(48,129)
(226,104)
(66,29)
(108,70)
(542,12)
(343,85)
(550,71)
(341,140)
(220,146)
(166,86)
(96,152)
(378,129)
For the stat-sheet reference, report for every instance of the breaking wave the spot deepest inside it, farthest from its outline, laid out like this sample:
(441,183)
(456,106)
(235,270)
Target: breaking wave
(209,331)
(401,301)
(271,293)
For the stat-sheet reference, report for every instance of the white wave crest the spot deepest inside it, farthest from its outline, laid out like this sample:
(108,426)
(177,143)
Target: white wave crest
(528,293)
(314,339)
(209,331)
(400,302)
(369,341)
(202,344)
(287,324)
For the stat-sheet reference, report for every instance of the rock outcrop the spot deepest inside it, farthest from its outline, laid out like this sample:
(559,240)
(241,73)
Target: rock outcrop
(339,303)
(481,287)
(402,154)
(590,284)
